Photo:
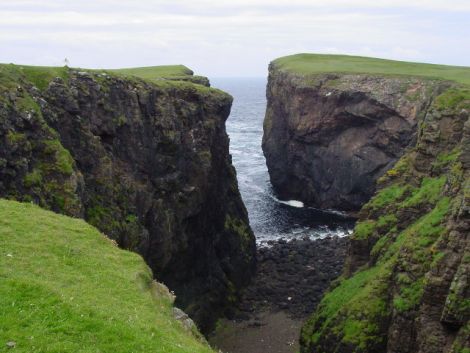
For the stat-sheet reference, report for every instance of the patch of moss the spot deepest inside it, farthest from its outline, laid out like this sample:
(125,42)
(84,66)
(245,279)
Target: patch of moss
(445,158)
(33,178)
(387,196)
(453,99)
(64,161)
(387,221)
(121,120)
(14,138)
(425,231)
(409,296)
(343,310)
(239,227)
(428,192)
(380,245)
(365,229)
(98,215)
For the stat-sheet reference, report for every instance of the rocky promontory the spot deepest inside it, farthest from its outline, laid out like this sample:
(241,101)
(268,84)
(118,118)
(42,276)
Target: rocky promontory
(144,160)
(405,286)
(329,136)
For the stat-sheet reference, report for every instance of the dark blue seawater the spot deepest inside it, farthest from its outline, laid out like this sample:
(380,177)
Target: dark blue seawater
(270,218)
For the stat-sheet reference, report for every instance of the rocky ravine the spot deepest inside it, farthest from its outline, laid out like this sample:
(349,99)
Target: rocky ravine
(405,286)
(329,137)
(146,163)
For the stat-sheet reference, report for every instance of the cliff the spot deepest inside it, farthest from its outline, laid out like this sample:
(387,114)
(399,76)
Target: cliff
(53,298)
(335,124)
(143,157)
(405,284)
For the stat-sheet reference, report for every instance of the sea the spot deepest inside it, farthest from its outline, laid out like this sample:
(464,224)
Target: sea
(271,219)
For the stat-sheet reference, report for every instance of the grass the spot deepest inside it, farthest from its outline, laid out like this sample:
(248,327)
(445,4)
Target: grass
(322,63)
(152,72)
(429,192)
(364,229)
(387,196)
(64,287)
(353,309)
(342,310)
(40,76)
(453,99)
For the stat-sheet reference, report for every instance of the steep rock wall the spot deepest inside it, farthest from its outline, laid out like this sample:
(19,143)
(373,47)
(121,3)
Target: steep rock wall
(405,287)
(146,163)
(329,137)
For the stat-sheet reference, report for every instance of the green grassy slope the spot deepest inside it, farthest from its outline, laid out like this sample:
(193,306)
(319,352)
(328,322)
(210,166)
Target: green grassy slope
(64,287)
(40,76)
(322,63)
(151,72)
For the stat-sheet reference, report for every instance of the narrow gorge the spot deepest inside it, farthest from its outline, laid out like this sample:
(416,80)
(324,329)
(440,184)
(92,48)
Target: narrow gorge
(329,214)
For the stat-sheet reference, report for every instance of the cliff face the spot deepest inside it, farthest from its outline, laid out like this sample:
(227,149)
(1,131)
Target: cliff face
(146,163)
(329,137)
(405,287)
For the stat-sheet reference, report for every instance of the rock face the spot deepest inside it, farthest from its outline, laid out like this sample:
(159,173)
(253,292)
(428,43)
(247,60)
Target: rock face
(405,286)
(146,163)
(329,137)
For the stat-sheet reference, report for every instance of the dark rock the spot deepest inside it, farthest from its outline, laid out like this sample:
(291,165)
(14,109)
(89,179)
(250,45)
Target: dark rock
(405,282)
(293,276)
(328,138)
(147,164)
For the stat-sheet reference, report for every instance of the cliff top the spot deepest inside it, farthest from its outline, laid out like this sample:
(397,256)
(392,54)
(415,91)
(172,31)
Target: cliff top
(76,291)
(325,63)
(42,75)
(150,72)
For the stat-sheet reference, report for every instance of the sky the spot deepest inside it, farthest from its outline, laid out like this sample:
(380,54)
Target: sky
(229,38)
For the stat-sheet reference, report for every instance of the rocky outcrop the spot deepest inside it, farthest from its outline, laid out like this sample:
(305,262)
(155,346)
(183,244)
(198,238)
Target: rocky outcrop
(145,162)
(329,137)
(405,286)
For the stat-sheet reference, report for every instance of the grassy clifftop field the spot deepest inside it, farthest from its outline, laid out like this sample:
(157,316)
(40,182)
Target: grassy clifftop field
(323,63)
(65,287)
(41,76)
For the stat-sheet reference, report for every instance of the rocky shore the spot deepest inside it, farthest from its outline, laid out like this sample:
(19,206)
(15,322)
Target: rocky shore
(292,276)
(289,283)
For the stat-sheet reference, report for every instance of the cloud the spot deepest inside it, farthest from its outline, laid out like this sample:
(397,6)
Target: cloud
(230,37)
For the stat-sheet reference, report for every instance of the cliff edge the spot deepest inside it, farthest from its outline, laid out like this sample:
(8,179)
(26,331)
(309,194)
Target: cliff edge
(141,155)
(335,124)
(405,284)
(67,288)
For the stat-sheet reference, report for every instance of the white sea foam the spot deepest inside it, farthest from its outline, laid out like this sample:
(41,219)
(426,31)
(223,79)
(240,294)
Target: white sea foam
(292,203)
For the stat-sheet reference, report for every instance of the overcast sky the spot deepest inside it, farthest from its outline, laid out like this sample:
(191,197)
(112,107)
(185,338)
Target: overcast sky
(229,37)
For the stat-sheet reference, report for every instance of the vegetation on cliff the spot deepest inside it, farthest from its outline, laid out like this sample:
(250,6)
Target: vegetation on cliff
(65,287)
(145,160)
(405,285)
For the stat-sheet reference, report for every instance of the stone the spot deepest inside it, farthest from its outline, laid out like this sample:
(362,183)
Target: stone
(328,139)
(148,164)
